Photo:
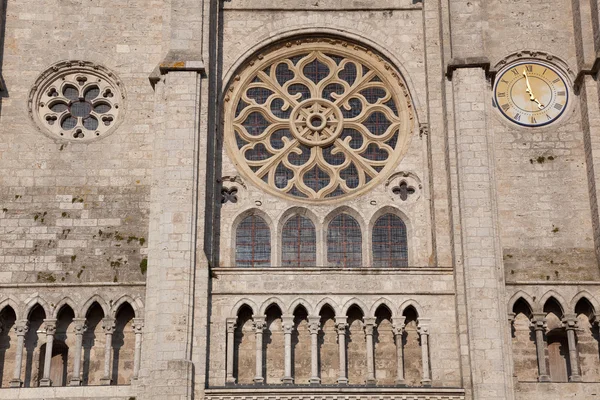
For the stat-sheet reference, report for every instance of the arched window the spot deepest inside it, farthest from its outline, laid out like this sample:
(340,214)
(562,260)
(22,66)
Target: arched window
(253,243)
(344,242)
(389,242)
(299,243)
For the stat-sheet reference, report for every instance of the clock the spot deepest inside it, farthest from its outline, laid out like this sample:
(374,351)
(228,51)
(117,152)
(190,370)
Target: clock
(531,93)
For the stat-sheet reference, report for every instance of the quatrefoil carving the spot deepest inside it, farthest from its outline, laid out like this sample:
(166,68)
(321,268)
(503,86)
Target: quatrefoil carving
(229,195)
(404,187)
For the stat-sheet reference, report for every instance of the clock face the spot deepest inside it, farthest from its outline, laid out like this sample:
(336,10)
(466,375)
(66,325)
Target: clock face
(531,94)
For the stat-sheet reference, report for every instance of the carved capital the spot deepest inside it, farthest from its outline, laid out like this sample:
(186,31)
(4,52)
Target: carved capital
(314,324)
(539,321)
(50,325)
(79,326)
(287,323)
(423,326)
(108,325)
(231,324)
(259,324)
(570,321)
(341,328)
(398,325)
(369,324)
(138,325)
(21,327)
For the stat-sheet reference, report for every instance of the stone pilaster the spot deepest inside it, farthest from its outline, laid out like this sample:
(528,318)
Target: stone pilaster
(314,324)
(21,327)
(539,325)
(138,328)
(288,327)
(259,326)
(398,329)
(79,327)
(570,323)
(482,263)
(341,326)
(108,326)
(369,325)
(230,349)
(423,326)
(50,332)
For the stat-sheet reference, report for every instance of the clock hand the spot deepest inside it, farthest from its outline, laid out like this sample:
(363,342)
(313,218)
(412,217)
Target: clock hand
(530,91)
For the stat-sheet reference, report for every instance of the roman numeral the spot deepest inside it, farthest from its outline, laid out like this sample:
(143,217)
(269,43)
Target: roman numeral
(503,81)
(556,80)
(506,107)
(529,68)
(561,93)
(543,73)
(514,71)
(549,117)
(503,94)
(517,117)
(533,120)
(558,106)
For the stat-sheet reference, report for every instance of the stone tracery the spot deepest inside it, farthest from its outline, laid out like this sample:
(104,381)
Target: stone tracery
(317,119)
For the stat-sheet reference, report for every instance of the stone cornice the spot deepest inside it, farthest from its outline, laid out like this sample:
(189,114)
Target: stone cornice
(587,69)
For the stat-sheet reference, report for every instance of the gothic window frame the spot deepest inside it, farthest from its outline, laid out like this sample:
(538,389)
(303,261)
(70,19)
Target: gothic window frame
(374,251)
(283,221)
(364,246)
(234,238)
(410,240)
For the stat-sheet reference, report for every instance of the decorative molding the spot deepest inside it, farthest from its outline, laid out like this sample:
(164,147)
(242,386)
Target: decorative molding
(335,393)
(587,69)
(467,62)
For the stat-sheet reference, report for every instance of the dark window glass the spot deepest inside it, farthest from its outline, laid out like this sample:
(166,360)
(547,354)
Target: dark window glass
(344,242)
(253,243)
(299,243)
(390,247)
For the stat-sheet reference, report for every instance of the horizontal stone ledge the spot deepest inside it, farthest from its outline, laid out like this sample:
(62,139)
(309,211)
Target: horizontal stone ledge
(336,270)
(124,392)
(333,393)
(553,283)
(591,70)
(69,284)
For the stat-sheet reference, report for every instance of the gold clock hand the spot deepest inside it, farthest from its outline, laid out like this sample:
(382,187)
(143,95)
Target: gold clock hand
(530,91)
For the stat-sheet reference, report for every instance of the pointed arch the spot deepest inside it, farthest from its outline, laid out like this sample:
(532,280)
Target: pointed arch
(329,302)
(32,302)
(411,303)
(96,298)
(355,302)
(129,300)
(299,302)
(243,302)
(526,298)
(12,303)
(385,302)
(269,302)
(584,294)
(65,301)
(559,299)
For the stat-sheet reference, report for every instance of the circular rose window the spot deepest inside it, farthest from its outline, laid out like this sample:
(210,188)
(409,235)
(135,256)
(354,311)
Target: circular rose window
(76,100)
(317,119)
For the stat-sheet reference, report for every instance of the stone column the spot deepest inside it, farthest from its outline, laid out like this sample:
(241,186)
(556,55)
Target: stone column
(570,322)
(230,349)
(288,326)
(21,328)
(50,332)
(539,325)
(369,325)
(108,325)
(314,324)
(80,328)
(138,327)
(424,333)
(259,325)
(398,328)
(341,325)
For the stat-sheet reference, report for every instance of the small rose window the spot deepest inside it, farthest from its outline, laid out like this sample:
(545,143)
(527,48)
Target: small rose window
(80,105)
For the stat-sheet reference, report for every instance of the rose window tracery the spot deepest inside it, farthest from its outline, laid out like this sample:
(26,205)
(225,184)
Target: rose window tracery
(317,119)
(76,100)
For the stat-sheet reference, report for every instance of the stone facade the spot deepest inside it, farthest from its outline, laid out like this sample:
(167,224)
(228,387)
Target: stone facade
(145,255)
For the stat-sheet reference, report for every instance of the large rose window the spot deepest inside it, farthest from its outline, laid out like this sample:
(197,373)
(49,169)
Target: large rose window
(317,119)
